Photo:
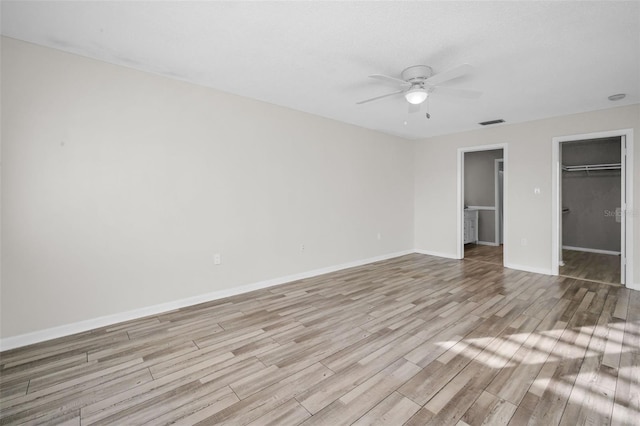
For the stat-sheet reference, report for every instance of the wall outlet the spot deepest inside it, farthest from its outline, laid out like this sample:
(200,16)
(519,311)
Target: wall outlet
(379,236)
(523,242)
(217,259)
(301,247)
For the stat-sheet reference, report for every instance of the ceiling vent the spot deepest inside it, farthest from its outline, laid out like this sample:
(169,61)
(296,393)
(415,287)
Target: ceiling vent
(487,123)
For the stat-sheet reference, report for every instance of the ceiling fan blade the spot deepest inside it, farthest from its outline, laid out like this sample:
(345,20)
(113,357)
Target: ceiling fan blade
(413,108)
(449,74)
(388,79)
(380,97)
(453,91)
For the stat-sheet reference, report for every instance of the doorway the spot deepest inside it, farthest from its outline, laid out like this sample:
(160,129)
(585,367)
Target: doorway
(591,196)
(482,180)
(592,186)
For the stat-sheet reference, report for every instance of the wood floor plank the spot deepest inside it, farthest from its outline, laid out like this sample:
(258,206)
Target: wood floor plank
(522,415)
(290,413)
(412,340)
(65,347)
(422,417)
(591,266)
(19,373)
(590,400)
(393,410)
(168,404)
(484,253)
(71,418)
(189,377)
(513,382)
(12,390)
(263,402)
(571,349)
(200,410)
(500,414)
(45,409)
(84,382)
(322,394)
(353,404)
(79,371)
(627,395)
(463,392)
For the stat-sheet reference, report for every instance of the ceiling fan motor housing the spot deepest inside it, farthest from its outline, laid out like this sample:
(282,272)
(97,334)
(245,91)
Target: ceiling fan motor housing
(418,81)
(417,73)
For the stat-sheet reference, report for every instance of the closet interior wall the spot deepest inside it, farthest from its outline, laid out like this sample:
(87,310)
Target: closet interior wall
(591,193)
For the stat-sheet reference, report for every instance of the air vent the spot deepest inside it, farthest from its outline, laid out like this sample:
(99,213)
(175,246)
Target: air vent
(487,123)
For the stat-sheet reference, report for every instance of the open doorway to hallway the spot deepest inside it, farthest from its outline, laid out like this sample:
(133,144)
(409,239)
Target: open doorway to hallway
(483,205)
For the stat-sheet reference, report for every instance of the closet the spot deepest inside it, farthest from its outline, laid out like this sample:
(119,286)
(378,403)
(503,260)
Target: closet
(591,195)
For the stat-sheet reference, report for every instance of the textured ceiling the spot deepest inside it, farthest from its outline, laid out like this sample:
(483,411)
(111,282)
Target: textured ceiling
(532,59)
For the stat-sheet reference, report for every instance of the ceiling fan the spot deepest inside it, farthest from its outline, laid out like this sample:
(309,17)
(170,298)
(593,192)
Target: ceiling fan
(418,81)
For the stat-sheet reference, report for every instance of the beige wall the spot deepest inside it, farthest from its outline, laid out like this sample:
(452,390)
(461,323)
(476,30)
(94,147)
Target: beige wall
(119,186)
(528,164)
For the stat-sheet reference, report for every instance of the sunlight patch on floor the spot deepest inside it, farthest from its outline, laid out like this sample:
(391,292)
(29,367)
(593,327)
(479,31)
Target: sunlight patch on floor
(543,347)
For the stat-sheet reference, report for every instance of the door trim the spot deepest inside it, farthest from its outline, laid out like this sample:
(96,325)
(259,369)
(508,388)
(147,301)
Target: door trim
(556,214)
(497,199)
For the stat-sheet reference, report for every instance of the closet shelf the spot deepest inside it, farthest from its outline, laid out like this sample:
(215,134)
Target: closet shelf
(592,167)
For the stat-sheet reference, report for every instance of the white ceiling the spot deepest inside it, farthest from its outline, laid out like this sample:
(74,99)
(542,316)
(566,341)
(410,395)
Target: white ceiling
(532,59)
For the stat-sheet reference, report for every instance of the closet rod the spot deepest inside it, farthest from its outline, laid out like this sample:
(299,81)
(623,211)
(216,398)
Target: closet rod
(592,167)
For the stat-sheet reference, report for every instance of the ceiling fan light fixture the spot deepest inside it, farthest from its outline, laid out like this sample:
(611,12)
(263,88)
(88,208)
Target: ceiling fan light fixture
(416,95)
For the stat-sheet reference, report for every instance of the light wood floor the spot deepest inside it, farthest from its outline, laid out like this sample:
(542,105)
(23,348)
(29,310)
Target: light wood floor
(415,340)
(591,266)
(484,253)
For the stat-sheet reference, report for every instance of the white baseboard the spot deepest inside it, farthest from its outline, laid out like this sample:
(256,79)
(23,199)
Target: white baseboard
(525,268)
(86,325)
(590,250)
(437,254)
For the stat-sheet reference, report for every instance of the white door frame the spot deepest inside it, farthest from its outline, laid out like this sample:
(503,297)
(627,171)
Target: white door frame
(497,198)
(627,188)
(460,190)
